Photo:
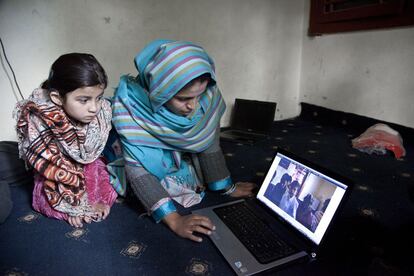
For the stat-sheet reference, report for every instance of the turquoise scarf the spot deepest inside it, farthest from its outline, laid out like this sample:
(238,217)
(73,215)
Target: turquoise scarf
(151,135)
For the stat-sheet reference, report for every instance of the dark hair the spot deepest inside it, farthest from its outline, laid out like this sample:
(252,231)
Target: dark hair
(325,204)
(201,78)
(286,177)
(308,199)
(75,70)
(294,184)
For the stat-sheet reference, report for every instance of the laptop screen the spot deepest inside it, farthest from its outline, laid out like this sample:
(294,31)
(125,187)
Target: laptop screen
(304,197)
(254,116)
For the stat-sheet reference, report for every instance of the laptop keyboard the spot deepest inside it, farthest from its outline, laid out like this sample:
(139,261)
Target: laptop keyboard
(254,234)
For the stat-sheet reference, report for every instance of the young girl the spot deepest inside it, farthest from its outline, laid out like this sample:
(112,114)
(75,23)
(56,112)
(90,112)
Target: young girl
(168,122)
(62,129)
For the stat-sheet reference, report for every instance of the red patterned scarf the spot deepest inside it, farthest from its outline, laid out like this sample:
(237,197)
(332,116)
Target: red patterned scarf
(57,148)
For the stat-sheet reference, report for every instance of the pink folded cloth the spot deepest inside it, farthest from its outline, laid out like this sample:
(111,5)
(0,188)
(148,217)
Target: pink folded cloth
(98,188)
(379,138)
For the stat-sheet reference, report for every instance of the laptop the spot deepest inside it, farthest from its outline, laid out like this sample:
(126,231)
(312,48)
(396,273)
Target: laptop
(299,233)
(251,121)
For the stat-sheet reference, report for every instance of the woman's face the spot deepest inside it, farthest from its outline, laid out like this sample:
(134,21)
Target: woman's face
(186,100)
(82,104)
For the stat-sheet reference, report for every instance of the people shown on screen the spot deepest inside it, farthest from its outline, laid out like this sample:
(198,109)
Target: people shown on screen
(275,192)
(318,214)
(289,202)
(305,214)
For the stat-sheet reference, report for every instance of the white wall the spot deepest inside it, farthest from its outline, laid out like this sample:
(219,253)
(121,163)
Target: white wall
(369,73)
(256,44)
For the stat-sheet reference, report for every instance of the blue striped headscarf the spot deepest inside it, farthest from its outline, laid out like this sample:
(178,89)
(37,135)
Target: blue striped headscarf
(151,135)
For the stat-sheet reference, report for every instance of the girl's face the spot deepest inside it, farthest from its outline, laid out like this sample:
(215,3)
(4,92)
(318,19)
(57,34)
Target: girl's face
(186,100)
(82,104)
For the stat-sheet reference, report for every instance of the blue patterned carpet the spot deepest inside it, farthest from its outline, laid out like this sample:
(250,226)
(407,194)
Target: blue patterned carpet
(373,235)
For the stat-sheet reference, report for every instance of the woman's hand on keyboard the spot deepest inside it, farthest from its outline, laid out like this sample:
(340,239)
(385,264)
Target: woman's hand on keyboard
(243,189)
(186,226)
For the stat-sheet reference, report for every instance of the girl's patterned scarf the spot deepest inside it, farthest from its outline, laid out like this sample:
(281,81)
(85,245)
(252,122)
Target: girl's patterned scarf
(57,149)
(150,134)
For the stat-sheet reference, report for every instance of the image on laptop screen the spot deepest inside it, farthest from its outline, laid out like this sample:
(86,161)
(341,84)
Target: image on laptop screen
(308,201)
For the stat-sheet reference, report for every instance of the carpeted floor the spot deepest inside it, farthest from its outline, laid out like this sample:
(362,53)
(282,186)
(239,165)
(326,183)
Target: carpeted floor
(373,235)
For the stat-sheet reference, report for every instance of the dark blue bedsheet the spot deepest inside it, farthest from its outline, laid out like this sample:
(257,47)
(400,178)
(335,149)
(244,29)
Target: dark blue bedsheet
(373,235)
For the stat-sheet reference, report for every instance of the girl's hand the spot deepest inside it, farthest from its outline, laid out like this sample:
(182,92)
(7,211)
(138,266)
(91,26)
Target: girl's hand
(75,221)
(185,226)
(243,189)
(101,211)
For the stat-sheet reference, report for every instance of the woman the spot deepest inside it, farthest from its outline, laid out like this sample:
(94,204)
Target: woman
(168,120)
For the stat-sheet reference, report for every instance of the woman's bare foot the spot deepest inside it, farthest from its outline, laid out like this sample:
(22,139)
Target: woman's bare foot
(101,210)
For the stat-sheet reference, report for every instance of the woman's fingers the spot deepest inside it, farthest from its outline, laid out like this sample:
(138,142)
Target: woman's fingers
(187,226)
(204,222)
(243,189)
(197,224)
(200,229)
(247,186)
(200,224)
(194,237)
(197,229)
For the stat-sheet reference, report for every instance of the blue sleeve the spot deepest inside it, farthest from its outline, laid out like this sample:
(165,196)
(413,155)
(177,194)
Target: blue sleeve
(220,184)
(162,211)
